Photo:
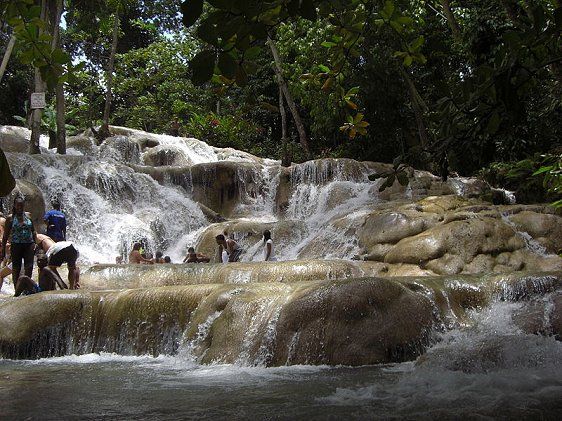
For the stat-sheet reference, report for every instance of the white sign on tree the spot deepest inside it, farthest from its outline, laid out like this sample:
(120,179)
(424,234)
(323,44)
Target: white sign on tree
(37,100)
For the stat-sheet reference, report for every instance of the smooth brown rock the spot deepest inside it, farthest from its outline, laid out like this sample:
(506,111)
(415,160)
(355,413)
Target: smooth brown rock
(165,155)
(544,228)
(34,202)
(14,139)
(353,323)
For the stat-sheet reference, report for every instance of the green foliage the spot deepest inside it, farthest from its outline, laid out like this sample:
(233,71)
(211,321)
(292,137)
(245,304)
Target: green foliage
(227,132)
(34,42)
(48,120)
(399,172)
(535,179)
(552,178)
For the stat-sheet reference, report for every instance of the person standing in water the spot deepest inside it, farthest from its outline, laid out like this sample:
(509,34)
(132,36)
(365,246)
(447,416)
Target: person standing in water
(59,253)
(19,227)
(267,247)
(230,246)
(56,222)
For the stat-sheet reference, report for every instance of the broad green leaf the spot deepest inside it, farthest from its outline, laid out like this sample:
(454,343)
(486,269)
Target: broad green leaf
(241,76)
(202,66)
(417,43)
(542,170)
(227,65)
(191,10)
(402,178)
(308,10)
(208,32)
(328,84)
(61,57)
(252,53)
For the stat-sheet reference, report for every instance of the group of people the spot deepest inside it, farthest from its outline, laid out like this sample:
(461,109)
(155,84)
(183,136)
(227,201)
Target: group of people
(228,251)
(21,244)
(137,255)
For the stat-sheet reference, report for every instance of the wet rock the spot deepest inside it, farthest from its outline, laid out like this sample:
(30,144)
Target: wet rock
(14,139)
(165,155)
(353,323)
(219,185)
(544,228)
(556,317)
(34,202)
(465,239)
(391,227)
(122,149)
(83,143)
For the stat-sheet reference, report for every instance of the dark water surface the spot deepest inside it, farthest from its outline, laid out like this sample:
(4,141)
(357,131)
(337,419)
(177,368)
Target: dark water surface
(490,370)
(113,387)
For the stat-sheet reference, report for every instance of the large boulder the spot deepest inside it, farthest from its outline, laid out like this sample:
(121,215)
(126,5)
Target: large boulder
(84,143)
(34,202)
(546,229)
(223,185)
(14,139)
(353,322)
(165,155)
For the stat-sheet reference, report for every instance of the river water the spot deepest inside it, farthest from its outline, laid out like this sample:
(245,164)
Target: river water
(487,369)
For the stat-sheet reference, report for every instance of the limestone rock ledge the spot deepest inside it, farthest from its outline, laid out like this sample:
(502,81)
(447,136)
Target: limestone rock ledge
(451,235)
(352,322)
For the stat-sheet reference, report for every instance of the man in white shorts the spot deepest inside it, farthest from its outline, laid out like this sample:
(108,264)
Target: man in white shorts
(59,253)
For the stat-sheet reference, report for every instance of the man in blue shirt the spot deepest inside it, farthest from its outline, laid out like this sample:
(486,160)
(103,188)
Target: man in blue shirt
(56,222)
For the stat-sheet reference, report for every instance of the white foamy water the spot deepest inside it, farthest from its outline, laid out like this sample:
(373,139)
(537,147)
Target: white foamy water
(531,244)
(485,369)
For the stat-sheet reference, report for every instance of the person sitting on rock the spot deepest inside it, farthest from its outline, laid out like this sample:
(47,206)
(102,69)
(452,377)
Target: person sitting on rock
(59,253)
(193,257)
(48,278)
(159,258)
(167,259)
(135,255)
(230,246)
(26,286)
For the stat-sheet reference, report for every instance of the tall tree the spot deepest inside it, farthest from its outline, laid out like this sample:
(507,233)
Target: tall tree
(39,87)
(278,66)
(56,11)
(7,54)
(104,129)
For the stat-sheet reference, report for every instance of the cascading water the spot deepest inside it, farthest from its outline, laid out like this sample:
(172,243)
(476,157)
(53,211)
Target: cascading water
(109,206)
(197,339)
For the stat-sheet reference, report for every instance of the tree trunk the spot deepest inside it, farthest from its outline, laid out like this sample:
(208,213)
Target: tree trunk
(418,105)
(286,158)
(7,55)
(104,129)
(59,89)
(451,20)
(39,87)
(290,102)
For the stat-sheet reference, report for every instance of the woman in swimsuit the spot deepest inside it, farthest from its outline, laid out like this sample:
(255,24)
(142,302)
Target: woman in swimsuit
(19,227)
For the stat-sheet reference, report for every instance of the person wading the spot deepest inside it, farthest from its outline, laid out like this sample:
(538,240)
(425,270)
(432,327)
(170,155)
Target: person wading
(56,222)
(19,227)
